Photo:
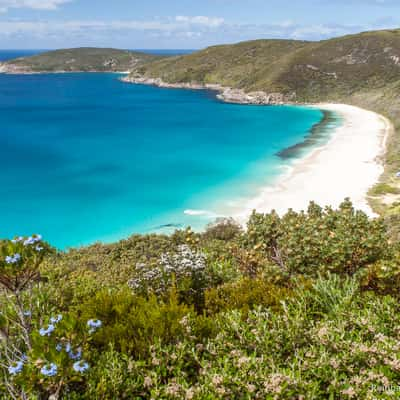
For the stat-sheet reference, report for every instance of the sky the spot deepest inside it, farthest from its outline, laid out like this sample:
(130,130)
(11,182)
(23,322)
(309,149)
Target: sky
(184,24)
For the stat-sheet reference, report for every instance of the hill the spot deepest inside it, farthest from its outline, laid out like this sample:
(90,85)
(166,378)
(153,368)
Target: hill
(313,71)
(361,70)
(79,59)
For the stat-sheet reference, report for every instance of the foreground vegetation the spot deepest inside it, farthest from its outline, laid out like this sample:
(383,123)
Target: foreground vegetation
(303,306)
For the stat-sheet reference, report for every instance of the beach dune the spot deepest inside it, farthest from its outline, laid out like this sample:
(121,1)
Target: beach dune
(347,166)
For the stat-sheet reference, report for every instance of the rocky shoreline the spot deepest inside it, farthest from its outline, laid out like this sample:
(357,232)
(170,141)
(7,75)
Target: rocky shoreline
(14,69)
(226,94)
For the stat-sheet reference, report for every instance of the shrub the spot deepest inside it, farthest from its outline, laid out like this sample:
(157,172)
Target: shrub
(113,377)
(320,240)
(245,294)
(40,356)
(383,277)
(185,269)
(225,229)
(383,188)
(291,354)
(133,323)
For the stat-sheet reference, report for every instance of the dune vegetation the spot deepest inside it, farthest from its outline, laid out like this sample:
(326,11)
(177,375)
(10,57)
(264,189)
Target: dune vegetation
(303,306)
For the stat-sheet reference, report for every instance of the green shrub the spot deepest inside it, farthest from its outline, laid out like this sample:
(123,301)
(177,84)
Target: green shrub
(133,323)
(225,229)
(329,295)
(113,377)
(245,294)
(184,270)
(383,188)
(319,240)
(290,354)
(383,277)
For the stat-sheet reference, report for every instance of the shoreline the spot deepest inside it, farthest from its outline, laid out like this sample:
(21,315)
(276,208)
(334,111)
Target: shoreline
(224,93)
(7,70)
(318,135)
(348,165)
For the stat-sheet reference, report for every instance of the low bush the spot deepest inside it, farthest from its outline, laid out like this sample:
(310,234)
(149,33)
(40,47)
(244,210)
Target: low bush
(245,294)
(133,323)
(225,229)
(320,240)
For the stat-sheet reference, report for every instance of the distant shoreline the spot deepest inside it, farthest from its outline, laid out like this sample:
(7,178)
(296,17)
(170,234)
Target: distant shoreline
(4,70)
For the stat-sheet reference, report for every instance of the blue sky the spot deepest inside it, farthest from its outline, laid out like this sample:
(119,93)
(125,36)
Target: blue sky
(184,24)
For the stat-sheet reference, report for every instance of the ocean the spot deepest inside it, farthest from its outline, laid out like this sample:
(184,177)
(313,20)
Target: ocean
(85,157)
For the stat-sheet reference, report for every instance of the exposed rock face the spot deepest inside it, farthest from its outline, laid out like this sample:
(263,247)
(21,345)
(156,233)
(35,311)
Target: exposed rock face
(14,69)
(111,63)
(226,94)
(240,96)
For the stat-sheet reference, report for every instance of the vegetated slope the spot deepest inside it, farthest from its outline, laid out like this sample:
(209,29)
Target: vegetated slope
(239,65)
(313,70)
(361,69)
(79,59)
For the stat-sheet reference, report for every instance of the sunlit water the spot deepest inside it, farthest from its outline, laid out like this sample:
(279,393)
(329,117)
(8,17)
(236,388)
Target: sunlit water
(85,157)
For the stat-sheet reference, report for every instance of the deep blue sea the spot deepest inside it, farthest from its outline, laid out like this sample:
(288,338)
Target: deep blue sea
(86,157)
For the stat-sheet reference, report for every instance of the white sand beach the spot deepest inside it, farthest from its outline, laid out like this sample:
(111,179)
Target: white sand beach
(347,166)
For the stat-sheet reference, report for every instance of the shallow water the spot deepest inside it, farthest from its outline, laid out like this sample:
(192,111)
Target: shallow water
(85,157)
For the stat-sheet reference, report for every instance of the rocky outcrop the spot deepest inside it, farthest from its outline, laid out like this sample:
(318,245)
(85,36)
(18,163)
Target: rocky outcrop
(6,68)
(241,97)
(227,94)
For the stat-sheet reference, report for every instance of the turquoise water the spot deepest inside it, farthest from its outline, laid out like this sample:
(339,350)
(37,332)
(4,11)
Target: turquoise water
(85,157)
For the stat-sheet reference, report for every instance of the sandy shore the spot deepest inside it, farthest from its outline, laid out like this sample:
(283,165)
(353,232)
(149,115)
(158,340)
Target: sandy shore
(347,166)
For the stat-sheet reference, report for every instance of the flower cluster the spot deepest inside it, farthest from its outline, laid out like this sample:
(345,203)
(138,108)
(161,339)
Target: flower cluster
(31,240)
(13,259)
(15,368)
(50,327)
(80,366)
(49,370)
(73,355)
(185,263)
(93,325)
(55,320)
(56,366)
(47,331)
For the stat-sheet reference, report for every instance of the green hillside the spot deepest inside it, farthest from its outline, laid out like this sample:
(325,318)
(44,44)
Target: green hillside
(80,59)
(313,70)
